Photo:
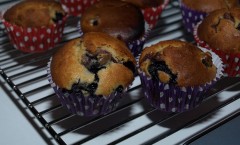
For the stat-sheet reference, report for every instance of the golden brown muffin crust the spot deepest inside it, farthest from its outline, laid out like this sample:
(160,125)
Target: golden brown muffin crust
(34,13)
(183,59)
(69,64)
(210,5)
(145,3)
(116,18)
(221,30)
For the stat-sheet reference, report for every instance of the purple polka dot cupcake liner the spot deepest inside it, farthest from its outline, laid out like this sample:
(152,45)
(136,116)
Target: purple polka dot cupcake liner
(171,98)
(78,104)
(33,40)
(135,46)
(190,17)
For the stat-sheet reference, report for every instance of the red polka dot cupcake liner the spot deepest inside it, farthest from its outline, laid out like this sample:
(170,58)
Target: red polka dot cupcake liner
(231,61)
(33,40)
(171,98)
(76,7)
(151,15)
(190,17)
(77,103)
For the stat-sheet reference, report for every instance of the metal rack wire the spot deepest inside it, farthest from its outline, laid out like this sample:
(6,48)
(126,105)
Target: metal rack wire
(133,119)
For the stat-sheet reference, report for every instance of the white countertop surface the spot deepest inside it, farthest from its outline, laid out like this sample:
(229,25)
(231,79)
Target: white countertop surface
(15,127)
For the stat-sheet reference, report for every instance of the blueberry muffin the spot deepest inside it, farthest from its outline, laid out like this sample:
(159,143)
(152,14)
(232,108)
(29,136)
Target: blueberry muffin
(94,67)
(176,74)
(146,3)
(119,19)
(220,32)
(35,13)
(35,25)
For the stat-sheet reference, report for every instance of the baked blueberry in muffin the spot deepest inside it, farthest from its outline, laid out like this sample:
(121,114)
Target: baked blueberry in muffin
(95,64)
(35,13)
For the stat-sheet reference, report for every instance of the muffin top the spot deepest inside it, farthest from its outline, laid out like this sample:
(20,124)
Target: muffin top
(145,3)
(178,63)
(35,13)
(221,30)
(119,19)
(96,64)
(210,5)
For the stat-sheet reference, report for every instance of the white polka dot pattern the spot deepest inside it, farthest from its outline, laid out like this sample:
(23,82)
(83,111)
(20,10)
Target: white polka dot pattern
(76,7)
(190,17)
(151,15)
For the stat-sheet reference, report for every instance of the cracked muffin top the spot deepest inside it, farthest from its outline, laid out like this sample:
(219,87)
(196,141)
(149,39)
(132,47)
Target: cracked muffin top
(35,13)
(221,30)
(177,62)
(95,64)
(145,3)
(119,19)
(210,5)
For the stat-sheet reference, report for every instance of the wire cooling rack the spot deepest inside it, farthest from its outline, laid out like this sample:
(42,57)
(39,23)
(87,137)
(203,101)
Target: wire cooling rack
(134,121)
